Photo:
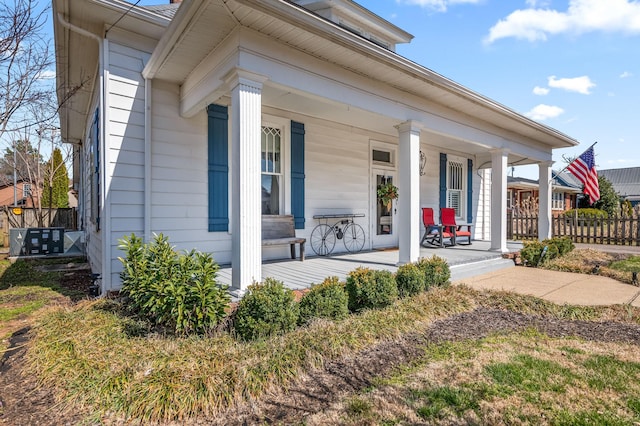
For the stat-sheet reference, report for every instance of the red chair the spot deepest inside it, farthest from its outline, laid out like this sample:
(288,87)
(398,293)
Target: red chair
(448,219)
(433,233)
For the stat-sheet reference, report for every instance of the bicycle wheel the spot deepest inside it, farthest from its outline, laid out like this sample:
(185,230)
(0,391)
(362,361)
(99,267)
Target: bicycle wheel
(353,237)
(323,239)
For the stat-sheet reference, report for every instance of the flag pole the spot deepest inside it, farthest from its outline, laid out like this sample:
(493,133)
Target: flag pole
(565,167)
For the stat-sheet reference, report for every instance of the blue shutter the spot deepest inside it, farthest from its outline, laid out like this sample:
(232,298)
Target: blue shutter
(218,153)
(469,191)
(297,174)
(443,180)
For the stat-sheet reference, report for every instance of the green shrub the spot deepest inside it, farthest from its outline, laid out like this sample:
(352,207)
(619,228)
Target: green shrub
(436,270)
(587,213)
(326,300)
(410,279)
(172,289)
(531,252)
(564,245)
(368,289)
(267,309)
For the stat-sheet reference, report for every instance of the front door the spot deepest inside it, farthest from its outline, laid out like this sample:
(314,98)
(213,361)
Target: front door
(384,231)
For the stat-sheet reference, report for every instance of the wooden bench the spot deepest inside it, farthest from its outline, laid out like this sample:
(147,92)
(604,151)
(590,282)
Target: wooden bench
(279,230)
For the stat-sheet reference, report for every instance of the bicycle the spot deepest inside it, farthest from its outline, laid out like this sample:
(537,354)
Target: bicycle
(324,236)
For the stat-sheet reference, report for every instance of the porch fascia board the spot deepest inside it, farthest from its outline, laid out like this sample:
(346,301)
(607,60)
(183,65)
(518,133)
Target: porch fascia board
(207,83)
(184,19)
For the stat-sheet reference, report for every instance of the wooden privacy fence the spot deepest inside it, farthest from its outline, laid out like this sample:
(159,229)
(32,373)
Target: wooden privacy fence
(55,218)
(617,230)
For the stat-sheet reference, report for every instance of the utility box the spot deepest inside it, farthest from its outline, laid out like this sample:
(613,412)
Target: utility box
(36,241)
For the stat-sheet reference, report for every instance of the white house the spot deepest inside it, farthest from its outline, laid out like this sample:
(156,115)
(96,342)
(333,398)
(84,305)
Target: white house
(195,119)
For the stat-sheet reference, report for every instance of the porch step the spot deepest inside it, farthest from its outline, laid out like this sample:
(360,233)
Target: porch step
(466,270)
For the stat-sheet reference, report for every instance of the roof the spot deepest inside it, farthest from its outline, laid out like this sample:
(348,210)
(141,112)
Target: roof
(562,181)
(190,31)
(166,10)
(626,182)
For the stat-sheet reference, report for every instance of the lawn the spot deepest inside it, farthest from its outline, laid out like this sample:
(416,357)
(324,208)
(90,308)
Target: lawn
(448,356)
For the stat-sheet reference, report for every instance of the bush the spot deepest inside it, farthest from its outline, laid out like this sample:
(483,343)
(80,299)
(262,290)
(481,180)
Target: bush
(563,244)
(532,253)
(410,279)
(368,289)
(586,213)
(436,271)
(326,300)
(172,289)
(267,309)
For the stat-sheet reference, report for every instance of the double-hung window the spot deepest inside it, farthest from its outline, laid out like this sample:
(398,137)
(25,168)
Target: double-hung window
(272,170)
(456,172)
(557,201)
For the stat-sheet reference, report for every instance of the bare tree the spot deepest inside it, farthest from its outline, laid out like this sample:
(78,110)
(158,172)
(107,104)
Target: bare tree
(24,59)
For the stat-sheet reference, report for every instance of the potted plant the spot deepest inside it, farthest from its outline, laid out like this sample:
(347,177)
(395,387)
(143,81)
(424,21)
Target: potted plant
(387,192)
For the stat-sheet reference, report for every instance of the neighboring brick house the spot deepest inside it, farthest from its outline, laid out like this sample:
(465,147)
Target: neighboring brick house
(523,193)
(23,196)
(626,182)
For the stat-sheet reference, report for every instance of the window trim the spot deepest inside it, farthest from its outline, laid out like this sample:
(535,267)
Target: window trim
(461,215)
(383,146)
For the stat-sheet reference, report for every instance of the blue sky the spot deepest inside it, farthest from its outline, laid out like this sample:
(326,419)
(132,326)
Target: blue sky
(573,65)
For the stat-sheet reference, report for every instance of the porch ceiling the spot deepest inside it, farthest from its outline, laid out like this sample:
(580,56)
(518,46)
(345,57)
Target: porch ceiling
(200,27)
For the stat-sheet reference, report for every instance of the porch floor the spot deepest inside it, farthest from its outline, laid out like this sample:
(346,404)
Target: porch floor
(464,261)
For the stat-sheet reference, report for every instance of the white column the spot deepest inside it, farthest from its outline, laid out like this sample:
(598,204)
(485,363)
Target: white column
(409,192)
(544,202)
(499,163)
(246,109)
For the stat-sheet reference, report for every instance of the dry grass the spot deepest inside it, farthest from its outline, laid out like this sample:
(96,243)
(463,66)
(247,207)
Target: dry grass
(98,362)
(86,354)
(521,378)
(584,261)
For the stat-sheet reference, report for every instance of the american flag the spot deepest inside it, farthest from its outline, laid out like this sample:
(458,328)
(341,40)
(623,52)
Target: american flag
(584,169)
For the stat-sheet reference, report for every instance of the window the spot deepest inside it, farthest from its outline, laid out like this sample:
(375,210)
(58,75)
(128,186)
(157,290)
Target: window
(455,186)
(510,196)
(557,201)
(94,146)
(26,190)
(272,174)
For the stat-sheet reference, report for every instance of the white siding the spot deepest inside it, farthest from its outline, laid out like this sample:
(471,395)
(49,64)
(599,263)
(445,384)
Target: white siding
(179,189)
(125,92)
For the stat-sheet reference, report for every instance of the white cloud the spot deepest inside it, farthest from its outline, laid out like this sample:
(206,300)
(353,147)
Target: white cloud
(577,84)
(438,5)
(541,91)
(537,3)
(46,75)
(626,74)
(582,16)
(543,112)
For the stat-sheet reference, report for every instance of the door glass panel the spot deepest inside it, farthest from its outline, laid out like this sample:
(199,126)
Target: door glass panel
(384,216)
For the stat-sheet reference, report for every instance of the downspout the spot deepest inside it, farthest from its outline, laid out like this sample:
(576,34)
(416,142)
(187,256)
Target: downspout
(105,237)
(147,159)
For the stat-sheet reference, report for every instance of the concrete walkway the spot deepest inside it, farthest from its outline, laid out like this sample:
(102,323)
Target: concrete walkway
(557,287)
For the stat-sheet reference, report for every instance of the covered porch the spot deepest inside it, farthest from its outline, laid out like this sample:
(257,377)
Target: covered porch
(464,261)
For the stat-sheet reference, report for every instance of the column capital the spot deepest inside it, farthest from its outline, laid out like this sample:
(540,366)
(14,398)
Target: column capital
(549,163)
(239,76)
(409,126)
(502,151)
